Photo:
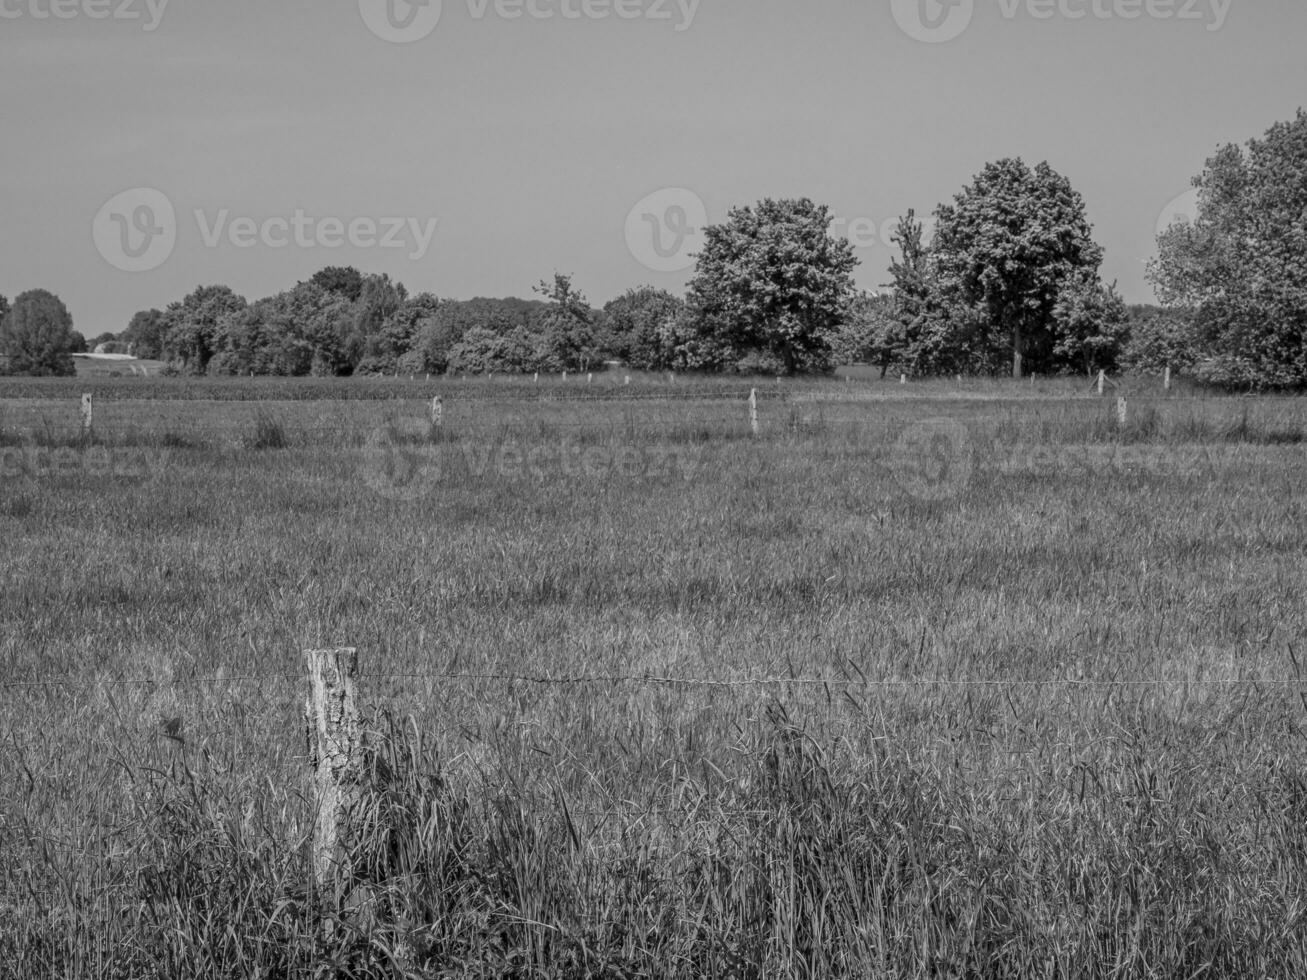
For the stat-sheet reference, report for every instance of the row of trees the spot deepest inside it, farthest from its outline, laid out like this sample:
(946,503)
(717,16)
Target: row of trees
(1009,281)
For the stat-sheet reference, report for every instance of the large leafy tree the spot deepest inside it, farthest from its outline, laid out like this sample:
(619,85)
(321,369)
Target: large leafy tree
(1003,253)
(145,334)
(569,337)
(1240,270)
(345,281)
(771,281)
(193,333)
(635,322)
(871,334)
(37,335)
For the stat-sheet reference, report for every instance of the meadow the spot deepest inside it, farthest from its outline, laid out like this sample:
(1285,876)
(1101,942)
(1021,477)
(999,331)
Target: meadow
(937,680)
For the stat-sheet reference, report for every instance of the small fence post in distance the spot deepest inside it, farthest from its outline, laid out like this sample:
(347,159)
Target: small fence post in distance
(88,414)
(564,375)
(1122,413)
(628,380)
(335,741)
(590,379)
(903,379)
(1102,383)
(753,411)
(437,412)
(1166,380)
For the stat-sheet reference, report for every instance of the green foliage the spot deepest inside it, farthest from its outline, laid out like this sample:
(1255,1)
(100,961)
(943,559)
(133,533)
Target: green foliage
(37,335)
(1091,324)
(1241,268)
(772,280)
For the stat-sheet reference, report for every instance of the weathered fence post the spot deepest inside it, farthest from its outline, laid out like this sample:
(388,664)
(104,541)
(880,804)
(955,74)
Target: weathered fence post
(1102,383)
(88,414)
(437,412)
(335,740)
(590,379)
(903,379)
(753,411)
(537,377)
(1122,413)
(628,380)
(1166,379)
(564,375)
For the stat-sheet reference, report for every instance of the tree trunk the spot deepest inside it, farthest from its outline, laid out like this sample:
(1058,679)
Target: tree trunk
(1016,352)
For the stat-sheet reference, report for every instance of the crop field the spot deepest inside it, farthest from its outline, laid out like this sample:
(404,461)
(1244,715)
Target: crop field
(928,680)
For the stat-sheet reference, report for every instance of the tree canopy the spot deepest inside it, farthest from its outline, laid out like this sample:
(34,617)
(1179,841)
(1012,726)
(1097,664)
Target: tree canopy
(1240,270)
(37,335)
(772,285)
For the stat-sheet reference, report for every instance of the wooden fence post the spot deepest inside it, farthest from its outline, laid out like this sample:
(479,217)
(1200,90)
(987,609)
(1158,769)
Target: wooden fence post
(628,380)
(753,411)
(88,413)
(1102,383)
(1166,380)
(437,412)
(335,740)
(1122,413)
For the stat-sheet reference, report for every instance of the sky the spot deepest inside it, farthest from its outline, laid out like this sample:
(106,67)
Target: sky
(474,147)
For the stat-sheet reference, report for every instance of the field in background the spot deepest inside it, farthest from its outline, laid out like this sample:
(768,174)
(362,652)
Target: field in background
(923,681)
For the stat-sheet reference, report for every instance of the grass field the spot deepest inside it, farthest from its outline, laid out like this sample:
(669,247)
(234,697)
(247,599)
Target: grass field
(933,680)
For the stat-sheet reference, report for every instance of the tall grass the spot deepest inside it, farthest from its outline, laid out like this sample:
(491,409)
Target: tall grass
(765,716)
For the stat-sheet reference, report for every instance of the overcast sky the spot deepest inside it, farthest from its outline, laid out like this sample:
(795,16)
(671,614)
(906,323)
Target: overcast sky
(473,147)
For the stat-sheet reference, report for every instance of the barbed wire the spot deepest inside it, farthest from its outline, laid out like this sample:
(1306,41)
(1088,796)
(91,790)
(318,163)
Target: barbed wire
(544,680)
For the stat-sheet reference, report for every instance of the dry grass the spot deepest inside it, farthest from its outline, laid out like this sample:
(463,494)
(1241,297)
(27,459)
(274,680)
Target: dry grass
(1044,728)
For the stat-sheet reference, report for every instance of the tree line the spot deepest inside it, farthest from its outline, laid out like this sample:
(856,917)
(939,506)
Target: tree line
(1009,281)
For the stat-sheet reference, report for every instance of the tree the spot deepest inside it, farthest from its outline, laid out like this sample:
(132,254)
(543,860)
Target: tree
(145,334)
(343,280)
(1159,337)
(772,281)
(1005,249)
(871,334)
(634,325)
(1092,324)
(192,326)
(37,335)
(569,341)
(1240,270)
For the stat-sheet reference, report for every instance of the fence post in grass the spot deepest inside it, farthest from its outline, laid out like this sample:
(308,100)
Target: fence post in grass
(1166,379)
(628,380)
(1122,413)
(335,743)
(1102,383)
(590,378)
(564,376)
(903,379)
(88,413)
(753,411)
(437,412)
(537,377)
